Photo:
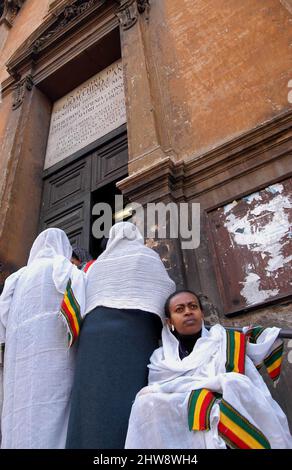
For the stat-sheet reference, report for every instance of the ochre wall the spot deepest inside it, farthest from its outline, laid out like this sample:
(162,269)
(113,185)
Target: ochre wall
(21,178)
(5,109)
(23,134)
(28,19)
(217,69)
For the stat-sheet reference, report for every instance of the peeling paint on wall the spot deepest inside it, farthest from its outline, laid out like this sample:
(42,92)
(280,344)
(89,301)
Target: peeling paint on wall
(229,207)
(253,241)
(266,238)
(251,290)
(252,197)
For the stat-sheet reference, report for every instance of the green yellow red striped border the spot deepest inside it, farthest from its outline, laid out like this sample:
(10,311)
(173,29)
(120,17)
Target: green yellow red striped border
(70,309)
(253,333)
(235,351)
(237,431)
(199,409)
(273,362)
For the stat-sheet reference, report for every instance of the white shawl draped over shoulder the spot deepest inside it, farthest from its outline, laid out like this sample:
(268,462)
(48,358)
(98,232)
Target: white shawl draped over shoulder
(159,416)
(38,367)
(128,274)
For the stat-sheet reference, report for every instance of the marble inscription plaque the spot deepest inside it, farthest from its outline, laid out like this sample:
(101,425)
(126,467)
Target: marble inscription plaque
(87,113)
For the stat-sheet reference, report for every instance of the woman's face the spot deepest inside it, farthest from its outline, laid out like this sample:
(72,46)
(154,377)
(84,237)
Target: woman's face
(75,261)
(185,314)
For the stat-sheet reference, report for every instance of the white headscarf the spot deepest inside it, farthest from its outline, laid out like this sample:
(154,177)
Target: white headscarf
(51,243)
(128,274)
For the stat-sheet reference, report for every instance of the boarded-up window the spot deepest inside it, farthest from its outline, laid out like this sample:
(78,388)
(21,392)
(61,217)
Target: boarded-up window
(252,241)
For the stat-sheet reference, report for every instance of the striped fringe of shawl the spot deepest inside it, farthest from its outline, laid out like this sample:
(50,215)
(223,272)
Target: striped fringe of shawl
(70,310)
(234,428)
(235,351)
(273,361)
(237,431)
(87,265)
(199,409)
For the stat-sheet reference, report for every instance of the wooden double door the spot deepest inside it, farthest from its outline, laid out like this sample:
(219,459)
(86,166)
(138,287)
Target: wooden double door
(71,189)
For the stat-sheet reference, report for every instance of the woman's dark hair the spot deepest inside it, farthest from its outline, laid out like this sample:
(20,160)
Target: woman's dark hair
(180,291)
(81,254)
(103,244)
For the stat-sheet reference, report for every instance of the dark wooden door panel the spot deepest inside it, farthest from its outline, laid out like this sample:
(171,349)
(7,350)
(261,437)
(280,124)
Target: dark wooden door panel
(110,162)
(67,185)
(67,191)
(73,220)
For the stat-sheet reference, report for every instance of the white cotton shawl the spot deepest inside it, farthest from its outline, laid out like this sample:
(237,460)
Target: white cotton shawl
(38,368)
(159,416)
(128,274)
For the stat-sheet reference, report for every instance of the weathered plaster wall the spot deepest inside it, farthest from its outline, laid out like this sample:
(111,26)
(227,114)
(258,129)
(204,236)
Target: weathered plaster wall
(287,4)
(216,68)
(21,190)
(28,19)
(5,109)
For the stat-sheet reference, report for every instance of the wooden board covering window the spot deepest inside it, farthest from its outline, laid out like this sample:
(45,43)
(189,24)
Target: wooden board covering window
(252,243)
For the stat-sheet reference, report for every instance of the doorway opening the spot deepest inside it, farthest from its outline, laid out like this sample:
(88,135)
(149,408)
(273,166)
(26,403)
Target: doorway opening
(105,194)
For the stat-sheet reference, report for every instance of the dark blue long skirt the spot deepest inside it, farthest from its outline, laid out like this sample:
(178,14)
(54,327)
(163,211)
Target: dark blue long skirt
(113,353)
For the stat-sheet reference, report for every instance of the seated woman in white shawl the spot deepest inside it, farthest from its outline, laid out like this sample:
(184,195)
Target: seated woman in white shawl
(127,287)
(38,367)
(204,390)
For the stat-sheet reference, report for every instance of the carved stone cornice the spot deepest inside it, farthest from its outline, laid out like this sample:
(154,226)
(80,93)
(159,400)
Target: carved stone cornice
(62,21)
(9,10)
(161,181)
(205,177)
(241,156)
(65,17)
(129,11)
(19,89)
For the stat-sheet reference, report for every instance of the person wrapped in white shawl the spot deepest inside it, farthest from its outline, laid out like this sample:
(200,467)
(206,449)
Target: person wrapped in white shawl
(38,366)
(204,390)
(126,290)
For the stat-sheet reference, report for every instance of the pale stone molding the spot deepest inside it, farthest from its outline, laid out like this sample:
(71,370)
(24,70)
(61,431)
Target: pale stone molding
(19,89)
(129,11)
